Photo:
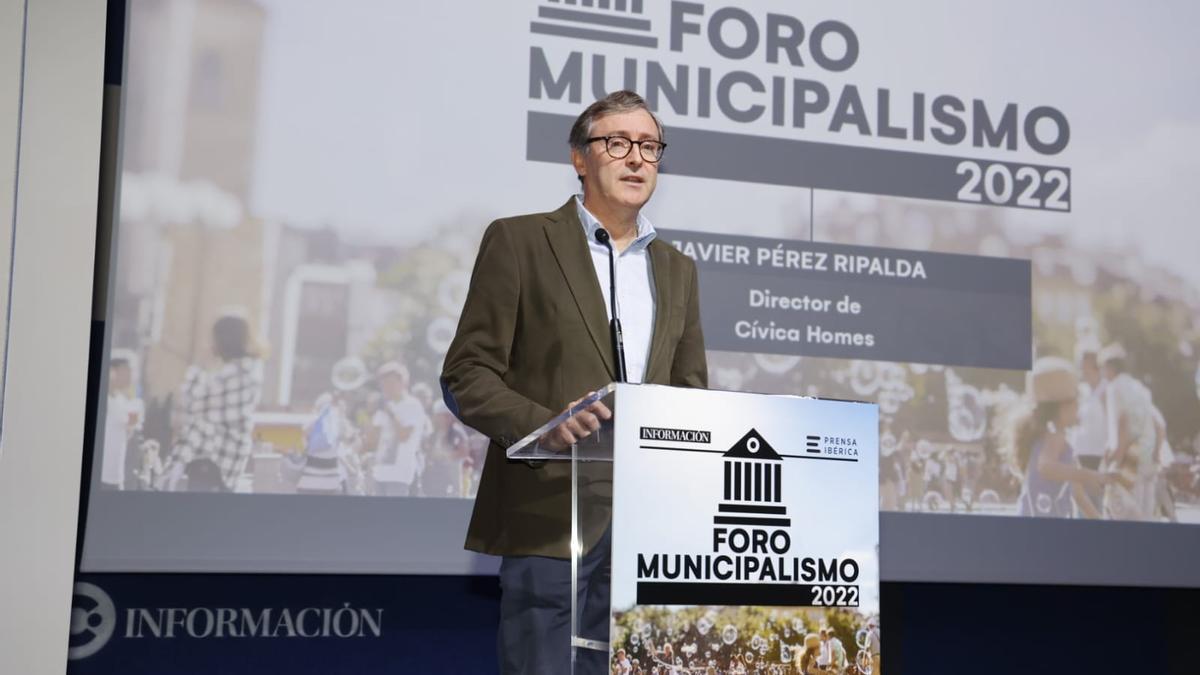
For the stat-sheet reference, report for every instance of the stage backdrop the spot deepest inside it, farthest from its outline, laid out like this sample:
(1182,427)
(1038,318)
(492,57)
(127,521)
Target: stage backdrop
(900,203)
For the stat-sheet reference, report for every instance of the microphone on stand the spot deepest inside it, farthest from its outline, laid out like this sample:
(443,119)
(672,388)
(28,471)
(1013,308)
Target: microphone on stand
(614,325)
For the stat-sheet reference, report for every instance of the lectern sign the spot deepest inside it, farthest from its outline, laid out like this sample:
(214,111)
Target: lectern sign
(742,523)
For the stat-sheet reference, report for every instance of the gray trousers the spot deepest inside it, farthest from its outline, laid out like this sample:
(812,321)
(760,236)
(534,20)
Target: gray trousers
(535,613)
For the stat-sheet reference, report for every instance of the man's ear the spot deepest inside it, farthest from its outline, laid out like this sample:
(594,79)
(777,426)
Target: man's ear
(577,162)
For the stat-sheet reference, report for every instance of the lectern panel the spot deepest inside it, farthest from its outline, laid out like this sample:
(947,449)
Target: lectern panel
(746,527)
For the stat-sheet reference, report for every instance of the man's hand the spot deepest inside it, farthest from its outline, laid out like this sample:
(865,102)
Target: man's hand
(576,427)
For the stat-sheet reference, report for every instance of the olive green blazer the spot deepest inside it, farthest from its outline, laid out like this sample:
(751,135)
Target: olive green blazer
(533,337)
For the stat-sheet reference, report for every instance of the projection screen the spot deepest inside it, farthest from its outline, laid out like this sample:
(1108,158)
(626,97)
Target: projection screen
(912,204)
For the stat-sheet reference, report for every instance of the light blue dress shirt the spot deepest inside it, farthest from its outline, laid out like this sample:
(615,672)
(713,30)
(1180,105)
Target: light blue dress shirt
(635,288)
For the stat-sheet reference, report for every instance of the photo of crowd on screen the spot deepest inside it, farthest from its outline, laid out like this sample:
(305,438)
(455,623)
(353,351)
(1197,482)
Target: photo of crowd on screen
(330,307)
(957,440)
(659,640)
(256,353)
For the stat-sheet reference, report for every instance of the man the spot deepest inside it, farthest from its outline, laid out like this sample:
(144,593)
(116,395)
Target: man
(1091,436)
(534,337)
(825,657)
(950,485)
(622,665)
(837,653)
(933,478)
(1133,437)
(1164,457)
(397,430)
(123,418)
(447,450)
(875,646)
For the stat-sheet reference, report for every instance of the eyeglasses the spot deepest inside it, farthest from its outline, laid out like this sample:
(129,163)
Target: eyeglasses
(618,147)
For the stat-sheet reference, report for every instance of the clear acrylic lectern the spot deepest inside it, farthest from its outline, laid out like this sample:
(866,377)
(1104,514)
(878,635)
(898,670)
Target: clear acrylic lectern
(591,510)
(685,474)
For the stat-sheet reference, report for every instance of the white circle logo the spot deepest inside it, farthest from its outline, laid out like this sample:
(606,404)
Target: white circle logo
(93,620)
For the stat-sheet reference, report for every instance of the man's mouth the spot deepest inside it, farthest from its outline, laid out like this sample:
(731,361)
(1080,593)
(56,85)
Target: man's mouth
(633,179)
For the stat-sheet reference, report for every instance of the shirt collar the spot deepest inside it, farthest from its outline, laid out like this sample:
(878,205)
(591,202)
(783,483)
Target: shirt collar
(645,230)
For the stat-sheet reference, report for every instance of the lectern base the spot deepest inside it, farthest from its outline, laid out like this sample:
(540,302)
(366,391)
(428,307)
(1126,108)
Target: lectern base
(584,643)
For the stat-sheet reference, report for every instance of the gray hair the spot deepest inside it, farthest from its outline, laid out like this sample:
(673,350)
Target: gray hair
(616,102)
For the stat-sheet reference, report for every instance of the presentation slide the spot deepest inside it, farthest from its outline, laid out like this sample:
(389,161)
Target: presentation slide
(977,216)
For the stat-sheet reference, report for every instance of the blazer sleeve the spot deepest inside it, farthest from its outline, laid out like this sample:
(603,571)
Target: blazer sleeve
(690,368)
(473,374)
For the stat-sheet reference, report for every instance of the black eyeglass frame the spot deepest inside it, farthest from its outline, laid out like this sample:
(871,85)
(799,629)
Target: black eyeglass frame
(662,147)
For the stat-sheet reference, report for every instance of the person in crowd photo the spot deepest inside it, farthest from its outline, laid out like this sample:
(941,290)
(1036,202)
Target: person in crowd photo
(808,660)
(874,646)
(398,428)
(915,477)
(213,448)
(1164,458)
(891,472)
(1054,485)
(332,443)
(951,486)
(621,665)
(1089,438)
(447,448)
(122,420)
(1133,438)
(832,646)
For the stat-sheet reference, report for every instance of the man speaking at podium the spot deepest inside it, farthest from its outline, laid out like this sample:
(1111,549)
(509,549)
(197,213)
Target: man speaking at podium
(535,335)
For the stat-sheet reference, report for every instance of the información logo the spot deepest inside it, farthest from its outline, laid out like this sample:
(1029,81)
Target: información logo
(93,620)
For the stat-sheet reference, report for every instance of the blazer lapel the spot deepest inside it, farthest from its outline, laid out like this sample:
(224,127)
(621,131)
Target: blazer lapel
(660,267)
(570,248)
